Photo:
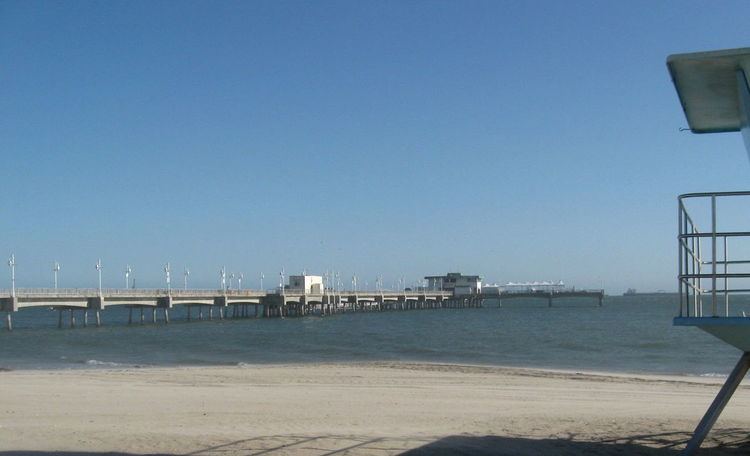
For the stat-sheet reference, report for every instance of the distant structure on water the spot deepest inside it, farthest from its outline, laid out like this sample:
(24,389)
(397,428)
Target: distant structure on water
(634,292)
(456,283)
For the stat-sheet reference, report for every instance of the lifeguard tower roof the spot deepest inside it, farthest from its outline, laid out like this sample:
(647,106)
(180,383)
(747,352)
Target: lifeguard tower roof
(707,84)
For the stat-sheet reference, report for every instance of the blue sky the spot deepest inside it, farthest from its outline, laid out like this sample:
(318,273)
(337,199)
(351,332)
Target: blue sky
(516,140)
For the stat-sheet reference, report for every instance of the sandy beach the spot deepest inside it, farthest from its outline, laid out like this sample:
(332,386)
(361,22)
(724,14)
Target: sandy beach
(361,409)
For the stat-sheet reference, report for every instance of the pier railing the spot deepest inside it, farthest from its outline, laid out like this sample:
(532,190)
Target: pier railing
(708,274)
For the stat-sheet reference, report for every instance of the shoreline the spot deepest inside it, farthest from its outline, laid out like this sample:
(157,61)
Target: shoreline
(107,366)
(378,408)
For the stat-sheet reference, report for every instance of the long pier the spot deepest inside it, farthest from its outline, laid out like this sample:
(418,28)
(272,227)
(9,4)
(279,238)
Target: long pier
(202,304)
(210,304)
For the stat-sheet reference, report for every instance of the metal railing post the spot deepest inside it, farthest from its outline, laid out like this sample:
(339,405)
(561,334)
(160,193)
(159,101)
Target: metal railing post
(679,245)
(726,279)
(713,256)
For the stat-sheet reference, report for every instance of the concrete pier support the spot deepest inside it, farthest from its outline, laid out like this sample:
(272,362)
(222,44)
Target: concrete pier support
(142,319)
(166,315)
(60,319)
(153,315)
(98,319)
(189,316)
(72,319)
(8,322)
(85,318)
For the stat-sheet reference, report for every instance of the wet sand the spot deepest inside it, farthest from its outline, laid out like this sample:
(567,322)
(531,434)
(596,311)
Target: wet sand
(359,409)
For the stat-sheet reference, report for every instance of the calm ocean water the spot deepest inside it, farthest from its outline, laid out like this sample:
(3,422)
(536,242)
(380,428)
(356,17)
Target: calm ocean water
(627,334)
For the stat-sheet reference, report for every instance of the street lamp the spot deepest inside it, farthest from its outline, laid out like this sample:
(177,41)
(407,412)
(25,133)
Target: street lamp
(128,270)
(12,264)
(231,277)
(186,273)
(261,280)
(223,273)
(239,281)
(167,271)
(55,270)
(99,270)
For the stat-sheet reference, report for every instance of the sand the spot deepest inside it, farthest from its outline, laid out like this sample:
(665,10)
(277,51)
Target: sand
(359,409)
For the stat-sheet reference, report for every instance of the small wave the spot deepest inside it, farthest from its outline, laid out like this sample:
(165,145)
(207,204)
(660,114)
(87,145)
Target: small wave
(713,375)
(97,363)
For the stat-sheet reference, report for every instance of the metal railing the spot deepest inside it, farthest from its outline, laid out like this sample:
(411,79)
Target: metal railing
(704,273)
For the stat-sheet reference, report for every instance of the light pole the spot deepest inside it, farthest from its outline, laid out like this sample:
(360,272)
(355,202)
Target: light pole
(281,277)
(12,264)
(261,281)
(168,271)
(186,273)
(223,273)
(239,281)
(128,270)
(55,270)
(354,283)
(99,270)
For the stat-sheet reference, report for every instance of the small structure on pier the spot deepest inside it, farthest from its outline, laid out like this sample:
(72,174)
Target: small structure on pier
(311,284)
(455,282)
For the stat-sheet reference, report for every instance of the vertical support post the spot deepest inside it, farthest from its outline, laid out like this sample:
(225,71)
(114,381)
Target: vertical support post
(72,319)
(721,400)
(153,315)
(98,319)
(679,253)
(726,279)
(189,317)
(211,313)
(85,318)
(142,320)
(166,315)
(714,311)
(700,280)
(59,319)
(200,312)
(8,322)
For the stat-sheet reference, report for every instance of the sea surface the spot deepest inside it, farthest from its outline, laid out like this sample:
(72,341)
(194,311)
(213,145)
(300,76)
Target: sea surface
(627,334)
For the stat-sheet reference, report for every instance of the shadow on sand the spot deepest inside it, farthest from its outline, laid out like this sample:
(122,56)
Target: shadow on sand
(722,443)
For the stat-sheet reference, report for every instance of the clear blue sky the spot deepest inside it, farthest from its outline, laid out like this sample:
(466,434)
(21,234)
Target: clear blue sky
(516,140)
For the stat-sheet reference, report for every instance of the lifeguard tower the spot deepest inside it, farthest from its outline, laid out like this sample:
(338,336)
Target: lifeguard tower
(714,246)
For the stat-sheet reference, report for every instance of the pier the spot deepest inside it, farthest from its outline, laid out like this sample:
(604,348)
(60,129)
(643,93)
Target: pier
(74,306)
(153,305)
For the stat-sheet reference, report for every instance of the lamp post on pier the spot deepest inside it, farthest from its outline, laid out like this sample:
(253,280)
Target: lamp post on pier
(223,274)
(168,271)
(55,270)
(99,270)
(128,270)
(186,273)
(261,281)
(239,281)
(12,264)
(231,277)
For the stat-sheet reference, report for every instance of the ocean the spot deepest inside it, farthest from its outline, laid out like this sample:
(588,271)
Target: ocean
(628,334)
